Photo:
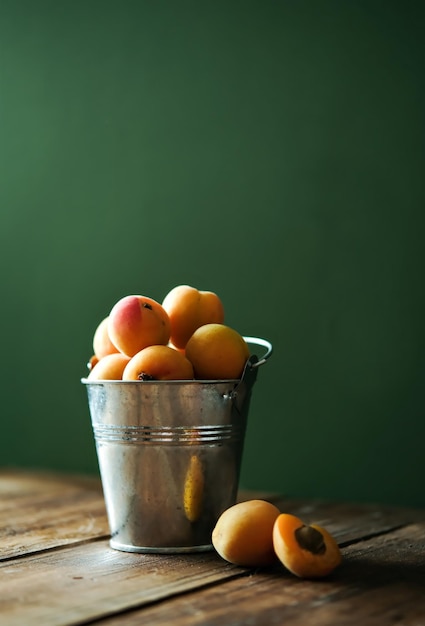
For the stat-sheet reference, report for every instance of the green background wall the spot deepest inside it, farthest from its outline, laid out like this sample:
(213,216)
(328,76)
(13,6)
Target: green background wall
(270,151)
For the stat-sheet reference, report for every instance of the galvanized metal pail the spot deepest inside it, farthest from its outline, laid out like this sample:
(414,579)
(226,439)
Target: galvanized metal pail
(169,455)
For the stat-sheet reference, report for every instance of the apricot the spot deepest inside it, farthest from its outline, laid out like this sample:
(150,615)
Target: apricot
(158,363)
(136,322)
(243,534)
(306,551)
(102,344)
(193,489)
(217,352)
(110,367)
(188,309)
(92,362)
(175,347)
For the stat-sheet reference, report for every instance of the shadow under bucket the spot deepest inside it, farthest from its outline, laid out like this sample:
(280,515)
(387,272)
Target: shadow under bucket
(169,455)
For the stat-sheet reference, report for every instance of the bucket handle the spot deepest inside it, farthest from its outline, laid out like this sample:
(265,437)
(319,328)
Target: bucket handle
(265,344)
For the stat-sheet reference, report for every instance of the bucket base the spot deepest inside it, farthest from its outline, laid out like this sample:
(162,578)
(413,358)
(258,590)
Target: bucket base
(123,547)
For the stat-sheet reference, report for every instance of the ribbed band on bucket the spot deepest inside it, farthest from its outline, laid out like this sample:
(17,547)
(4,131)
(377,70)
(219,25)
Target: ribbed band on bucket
(177,435)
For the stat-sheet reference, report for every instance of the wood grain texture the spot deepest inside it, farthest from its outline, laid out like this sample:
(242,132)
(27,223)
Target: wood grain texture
(375,586)
(39,511)
(57,569)
(83,582)
(350,522)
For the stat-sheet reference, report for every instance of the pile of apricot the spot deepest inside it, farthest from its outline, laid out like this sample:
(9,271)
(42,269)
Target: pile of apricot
(256,534)
(182,338)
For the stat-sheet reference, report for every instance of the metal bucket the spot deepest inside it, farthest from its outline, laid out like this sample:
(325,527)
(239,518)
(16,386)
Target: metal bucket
(169,455)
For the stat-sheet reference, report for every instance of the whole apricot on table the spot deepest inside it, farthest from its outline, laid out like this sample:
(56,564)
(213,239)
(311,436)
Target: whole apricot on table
(136,322)
(102,344)
(217,352)
(110,367)
(189,308)
(306,551)
(158,363)
(243,534)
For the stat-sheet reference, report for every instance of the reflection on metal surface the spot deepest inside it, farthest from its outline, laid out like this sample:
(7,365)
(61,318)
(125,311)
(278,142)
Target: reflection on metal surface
(193,493)
(169,455)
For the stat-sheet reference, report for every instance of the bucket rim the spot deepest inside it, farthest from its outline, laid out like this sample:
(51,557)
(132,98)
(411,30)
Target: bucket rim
(190,381)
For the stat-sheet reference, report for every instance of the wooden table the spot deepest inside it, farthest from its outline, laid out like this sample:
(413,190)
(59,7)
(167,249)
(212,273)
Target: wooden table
(56,567)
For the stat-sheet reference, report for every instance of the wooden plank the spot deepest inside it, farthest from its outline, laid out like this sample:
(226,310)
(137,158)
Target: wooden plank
(79,583)
(350,522)
(40,511)
(76,578)
(381,581)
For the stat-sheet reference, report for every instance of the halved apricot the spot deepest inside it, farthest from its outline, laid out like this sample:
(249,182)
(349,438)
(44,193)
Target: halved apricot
(306,551)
